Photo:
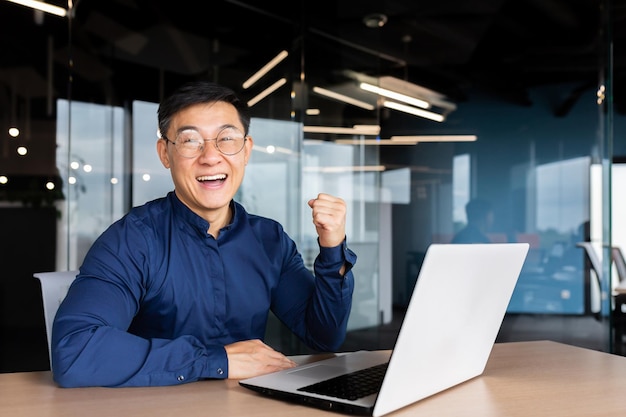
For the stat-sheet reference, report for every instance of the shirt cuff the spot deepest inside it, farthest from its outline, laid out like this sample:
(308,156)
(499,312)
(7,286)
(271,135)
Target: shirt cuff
(217,363)
(338,255)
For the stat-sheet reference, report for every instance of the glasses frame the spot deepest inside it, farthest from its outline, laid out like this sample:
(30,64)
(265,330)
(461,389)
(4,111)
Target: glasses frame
(201,149)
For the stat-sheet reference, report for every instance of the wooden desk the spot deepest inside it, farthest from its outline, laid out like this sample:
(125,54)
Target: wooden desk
(521,379)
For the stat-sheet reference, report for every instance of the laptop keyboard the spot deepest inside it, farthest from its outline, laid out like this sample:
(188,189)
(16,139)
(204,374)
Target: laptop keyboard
(351,386)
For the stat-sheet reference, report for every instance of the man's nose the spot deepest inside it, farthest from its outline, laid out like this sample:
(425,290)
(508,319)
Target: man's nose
(210,149)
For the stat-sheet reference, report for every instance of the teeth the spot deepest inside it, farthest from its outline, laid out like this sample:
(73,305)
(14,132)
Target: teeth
(212,177)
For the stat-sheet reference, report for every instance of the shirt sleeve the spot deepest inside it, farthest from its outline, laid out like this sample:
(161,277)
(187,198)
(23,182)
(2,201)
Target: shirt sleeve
(91,344)
(92,348)
(316,308)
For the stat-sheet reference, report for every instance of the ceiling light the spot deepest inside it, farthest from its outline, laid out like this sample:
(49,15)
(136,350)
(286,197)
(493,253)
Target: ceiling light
(44,7)
(351,168)
(265,69)
(373,142)
(269,90)
(375,20)
(409,89)
(396,96)
(435,138)
(344,98)
(355,130)
(434,98)
(271,149)
(414,111)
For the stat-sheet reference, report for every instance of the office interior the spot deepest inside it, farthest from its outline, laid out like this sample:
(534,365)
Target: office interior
(520,103)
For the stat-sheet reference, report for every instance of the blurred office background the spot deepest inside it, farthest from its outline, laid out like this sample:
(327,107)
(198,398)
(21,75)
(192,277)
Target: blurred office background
(521,103)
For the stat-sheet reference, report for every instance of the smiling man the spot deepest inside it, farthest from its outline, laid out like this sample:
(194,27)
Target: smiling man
(180,288)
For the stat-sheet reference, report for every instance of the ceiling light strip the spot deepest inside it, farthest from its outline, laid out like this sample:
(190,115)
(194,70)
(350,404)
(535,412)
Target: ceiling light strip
(396,96)
(269,90)
(372,142)
(44,7)
(265,69)
(414,111)
(339,169)
(434,138)
(355,130)
(344,98)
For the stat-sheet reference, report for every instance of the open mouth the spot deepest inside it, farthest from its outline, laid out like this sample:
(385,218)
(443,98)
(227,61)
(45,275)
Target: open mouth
(212,178)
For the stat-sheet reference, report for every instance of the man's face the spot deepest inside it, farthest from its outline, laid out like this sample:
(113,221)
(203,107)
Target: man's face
(205,183)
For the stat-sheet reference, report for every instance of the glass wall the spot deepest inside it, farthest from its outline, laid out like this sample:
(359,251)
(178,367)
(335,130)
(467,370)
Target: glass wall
(283,174)
(543,159)
(90,159)
(350,172)
(538,174)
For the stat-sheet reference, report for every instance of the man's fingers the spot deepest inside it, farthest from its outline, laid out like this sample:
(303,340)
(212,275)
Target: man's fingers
(327,208)
(329,218)
(249,358)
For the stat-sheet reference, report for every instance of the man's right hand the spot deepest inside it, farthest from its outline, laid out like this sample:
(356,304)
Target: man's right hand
(250,358)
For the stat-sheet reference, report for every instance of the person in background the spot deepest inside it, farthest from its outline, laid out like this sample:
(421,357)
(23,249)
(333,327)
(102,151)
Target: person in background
(180,288)
(479,221)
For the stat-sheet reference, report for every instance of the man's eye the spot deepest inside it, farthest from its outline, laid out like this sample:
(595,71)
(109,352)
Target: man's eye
(188,141)
(226,139)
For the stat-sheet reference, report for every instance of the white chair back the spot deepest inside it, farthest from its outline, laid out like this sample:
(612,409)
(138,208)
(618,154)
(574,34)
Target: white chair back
(54,286)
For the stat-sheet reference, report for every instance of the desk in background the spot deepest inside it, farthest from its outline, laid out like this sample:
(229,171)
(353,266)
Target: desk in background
(522,379)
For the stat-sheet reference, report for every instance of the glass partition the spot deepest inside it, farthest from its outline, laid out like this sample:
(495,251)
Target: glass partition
(547,157)
(538,175)
(90,159)
(344,171)
(282,175)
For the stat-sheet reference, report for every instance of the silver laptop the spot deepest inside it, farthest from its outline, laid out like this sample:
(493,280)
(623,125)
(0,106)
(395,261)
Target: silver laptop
(450,326)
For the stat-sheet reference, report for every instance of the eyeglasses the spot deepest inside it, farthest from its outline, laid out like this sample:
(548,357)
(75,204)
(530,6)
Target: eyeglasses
(190,143)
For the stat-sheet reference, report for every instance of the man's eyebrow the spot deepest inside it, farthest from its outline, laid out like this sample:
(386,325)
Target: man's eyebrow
(191,127)
(228,125)
(187,127)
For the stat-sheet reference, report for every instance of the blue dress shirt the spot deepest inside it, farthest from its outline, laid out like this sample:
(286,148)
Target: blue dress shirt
(157,298)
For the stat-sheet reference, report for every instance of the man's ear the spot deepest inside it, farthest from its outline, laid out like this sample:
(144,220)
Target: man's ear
(162,151)
(248,148)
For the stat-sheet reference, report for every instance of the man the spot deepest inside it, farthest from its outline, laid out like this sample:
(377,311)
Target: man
(479,221)
(180,288)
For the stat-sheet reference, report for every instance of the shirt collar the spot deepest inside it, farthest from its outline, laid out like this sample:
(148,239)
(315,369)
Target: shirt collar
(184,213)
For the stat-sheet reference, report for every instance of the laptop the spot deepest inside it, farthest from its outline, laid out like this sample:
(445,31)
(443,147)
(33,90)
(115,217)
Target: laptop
(451,323)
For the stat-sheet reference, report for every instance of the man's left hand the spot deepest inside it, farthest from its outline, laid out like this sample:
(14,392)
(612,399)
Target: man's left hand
(329,218)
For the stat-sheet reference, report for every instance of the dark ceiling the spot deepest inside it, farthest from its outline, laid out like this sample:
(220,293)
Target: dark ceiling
(123,49)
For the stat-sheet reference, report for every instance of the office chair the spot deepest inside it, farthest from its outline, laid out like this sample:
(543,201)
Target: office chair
(619,309)
(595,271)
(618,301)
(54,286)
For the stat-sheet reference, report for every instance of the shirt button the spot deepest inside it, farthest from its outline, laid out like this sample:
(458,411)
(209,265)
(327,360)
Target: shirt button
(220,371)
(181,378)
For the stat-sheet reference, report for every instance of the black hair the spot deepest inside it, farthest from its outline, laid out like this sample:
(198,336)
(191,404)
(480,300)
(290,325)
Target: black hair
(477,209)
(199,92)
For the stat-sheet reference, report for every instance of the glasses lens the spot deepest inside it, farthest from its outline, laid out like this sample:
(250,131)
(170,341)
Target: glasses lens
(230,141)
(189,143)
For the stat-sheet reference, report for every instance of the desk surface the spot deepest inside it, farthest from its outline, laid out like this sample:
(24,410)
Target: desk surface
(522,379)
